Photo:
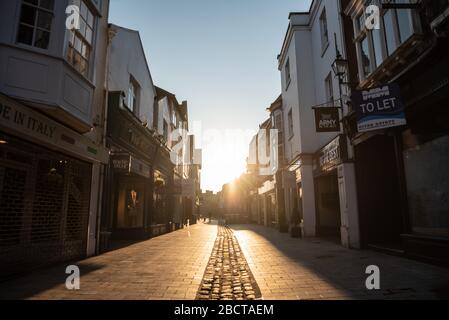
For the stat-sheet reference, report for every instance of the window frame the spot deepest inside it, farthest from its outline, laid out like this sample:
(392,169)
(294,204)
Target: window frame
(324,30)
(291,130)
(85,53)
(288,74)
(132,96)
(37,8)
(361,32)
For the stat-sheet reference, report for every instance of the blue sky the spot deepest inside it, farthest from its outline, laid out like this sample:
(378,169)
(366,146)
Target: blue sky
(221,57)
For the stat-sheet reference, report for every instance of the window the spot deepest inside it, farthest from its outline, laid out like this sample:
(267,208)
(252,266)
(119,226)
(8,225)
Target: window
(80,40)
(36,19)
(374,46)
(389,21)
(290,124)
(404,22)
(365,55)
(165,129)
(288,78)
(132,95)
(324,31)
(377,46)
(328,86)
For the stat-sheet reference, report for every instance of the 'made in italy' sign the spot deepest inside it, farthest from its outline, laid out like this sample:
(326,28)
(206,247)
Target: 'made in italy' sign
(379,108)
(327,119)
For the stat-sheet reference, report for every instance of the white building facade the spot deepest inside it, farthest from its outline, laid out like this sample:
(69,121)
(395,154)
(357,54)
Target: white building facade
(319,182)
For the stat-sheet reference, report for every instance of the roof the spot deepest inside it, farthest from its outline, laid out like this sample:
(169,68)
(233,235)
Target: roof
(276,104)
(111,26)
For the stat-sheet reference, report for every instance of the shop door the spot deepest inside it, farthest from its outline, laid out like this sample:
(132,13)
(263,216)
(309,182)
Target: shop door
(378,192)
(328,206)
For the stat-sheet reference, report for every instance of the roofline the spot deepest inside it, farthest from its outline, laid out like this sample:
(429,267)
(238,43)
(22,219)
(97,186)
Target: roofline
(290,26)
(110,25)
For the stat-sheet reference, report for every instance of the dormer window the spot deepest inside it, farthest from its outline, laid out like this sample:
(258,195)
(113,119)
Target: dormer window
(36,19)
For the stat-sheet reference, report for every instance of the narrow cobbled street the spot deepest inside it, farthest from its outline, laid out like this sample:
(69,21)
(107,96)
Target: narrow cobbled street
(228,276)
(241,262)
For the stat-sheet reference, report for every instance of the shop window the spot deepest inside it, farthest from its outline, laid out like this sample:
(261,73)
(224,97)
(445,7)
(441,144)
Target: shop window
(428,184)
(131,205)
(78,202)
(12,197)
(48,201)
(36,19)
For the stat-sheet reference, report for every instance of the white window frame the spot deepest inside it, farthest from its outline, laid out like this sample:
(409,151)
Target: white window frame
(88,20)
(324,30)
(291,130)
(38,8)
(288,74)
(132,96)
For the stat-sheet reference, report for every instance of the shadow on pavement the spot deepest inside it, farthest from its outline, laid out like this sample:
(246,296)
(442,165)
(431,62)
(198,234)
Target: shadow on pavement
(345,269)
(39,281)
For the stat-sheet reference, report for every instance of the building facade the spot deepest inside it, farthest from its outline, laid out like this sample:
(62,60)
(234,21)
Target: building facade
(402,171)
(52,156)
(319,182)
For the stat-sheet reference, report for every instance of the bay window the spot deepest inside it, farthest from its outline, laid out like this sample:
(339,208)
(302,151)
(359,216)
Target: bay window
(36,18)
(80,39)
(373,45)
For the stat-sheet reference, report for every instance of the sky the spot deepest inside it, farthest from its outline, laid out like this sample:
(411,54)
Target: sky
(220,56)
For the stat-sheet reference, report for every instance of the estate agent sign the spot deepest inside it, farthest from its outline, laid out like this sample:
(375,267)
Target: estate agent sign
(327,120)
(379,108)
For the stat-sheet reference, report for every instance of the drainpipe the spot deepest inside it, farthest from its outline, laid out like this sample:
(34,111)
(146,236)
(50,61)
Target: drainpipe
(111,34)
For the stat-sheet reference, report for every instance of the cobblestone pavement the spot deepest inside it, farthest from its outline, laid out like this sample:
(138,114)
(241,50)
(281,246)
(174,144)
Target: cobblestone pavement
(173,267)
(287,268)
(228,276)
(167,267)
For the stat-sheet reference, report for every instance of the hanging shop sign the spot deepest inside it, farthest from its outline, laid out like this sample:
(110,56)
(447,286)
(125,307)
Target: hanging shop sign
(379,108)
(29,124)
(125,163)
(327,119)
(332,155)
(121,162)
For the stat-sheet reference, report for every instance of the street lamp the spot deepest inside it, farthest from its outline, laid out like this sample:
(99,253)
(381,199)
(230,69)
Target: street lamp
(340,66)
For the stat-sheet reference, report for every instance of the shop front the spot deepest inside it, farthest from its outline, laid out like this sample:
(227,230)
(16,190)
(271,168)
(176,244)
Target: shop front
(131,180)
(268,203)
(132,185)
(423,153)
(45,189)
(327,194)
(402,172)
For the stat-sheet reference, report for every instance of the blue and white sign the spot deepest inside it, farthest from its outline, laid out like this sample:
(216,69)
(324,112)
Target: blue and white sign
(379,108)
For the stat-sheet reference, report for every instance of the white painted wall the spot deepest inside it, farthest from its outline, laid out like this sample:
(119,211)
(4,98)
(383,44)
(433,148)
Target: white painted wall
(127,59)
(310,65)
